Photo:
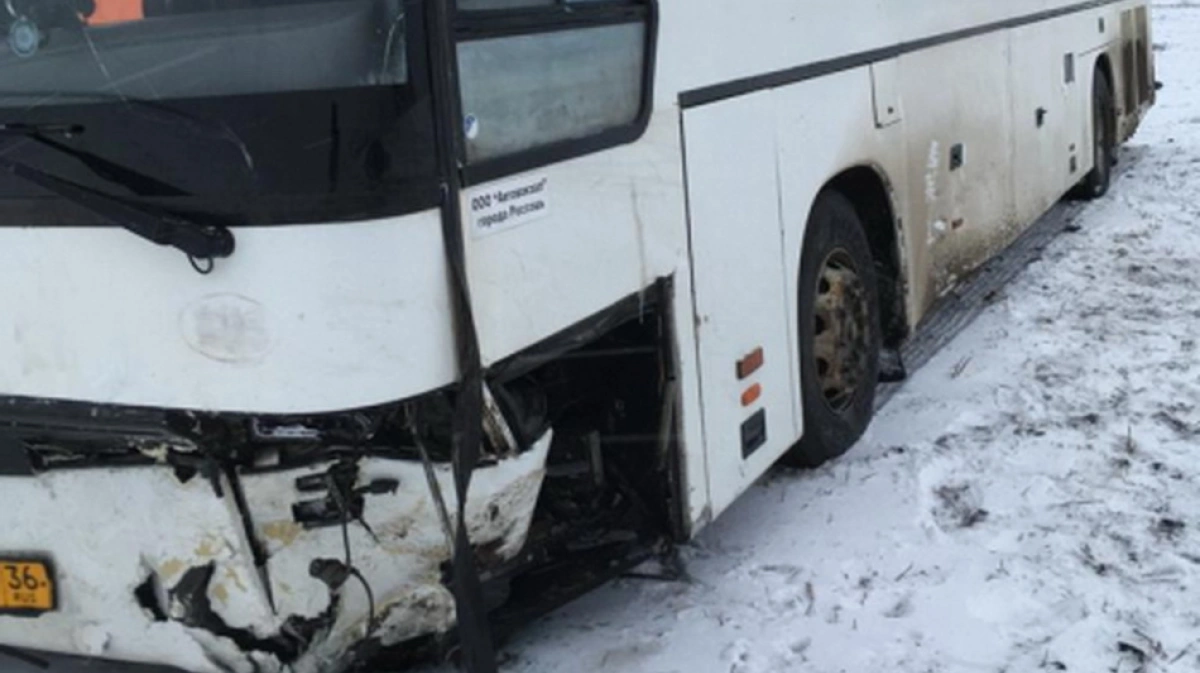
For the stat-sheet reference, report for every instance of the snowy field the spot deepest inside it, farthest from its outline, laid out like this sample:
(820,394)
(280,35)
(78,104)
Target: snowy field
(1028,502)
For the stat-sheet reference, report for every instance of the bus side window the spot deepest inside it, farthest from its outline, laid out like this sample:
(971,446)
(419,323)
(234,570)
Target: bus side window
(560,79)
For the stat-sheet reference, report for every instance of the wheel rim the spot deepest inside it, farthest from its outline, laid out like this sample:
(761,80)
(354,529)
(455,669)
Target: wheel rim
(841,330)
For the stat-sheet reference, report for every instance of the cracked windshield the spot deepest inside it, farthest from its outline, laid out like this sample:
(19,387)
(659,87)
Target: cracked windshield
(285,110)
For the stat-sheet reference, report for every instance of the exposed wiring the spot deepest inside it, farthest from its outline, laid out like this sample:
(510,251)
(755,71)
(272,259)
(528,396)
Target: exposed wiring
(200,267)
(339,498)
(371,623)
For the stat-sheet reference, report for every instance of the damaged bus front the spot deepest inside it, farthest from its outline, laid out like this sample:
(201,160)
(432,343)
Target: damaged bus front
(276,548)
(243,449)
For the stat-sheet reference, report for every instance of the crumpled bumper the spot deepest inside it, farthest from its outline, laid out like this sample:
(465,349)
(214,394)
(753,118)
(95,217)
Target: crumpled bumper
(151,568)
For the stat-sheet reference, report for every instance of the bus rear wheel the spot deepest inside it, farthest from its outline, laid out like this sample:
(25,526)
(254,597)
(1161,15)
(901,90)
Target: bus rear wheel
(839,329)
(1104,144)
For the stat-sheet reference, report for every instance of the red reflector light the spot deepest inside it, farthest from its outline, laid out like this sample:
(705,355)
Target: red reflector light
(752,395)
(750,364)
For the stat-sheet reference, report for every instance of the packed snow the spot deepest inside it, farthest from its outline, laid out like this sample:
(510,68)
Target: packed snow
(1026,502)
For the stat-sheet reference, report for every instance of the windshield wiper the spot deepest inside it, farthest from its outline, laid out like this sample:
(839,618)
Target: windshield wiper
(149,110)
(202,242)
(139,183)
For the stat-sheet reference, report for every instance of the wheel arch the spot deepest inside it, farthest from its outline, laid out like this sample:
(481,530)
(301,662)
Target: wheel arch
(868,188)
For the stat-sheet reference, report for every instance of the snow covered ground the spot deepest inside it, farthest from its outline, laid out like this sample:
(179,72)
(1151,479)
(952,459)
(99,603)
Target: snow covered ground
(1028,502)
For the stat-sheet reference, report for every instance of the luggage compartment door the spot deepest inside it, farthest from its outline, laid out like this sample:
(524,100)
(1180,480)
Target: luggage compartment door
(746,367)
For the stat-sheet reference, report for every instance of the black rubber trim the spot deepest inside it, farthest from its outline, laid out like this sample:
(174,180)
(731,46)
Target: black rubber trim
(474,632)
(14,460)
(19,660)
(481,25)
(778,78)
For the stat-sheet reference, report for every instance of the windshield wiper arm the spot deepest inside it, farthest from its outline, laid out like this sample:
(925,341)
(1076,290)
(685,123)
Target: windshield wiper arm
(20,129)
(201,241)
(137,182)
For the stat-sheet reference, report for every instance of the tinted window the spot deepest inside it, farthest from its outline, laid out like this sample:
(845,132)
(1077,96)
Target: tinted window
(521,92)
(543,80)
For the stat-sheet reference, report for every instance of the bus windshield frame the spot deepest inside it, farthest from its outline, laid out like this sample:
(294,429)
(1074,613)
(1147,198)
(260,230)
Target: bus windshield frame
(261,111)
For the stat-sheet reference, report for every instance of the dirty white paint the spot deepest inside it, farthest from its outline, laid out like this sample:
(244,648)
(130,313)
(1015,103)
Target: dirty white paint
(937,230)
(227,328)
(932,169)
(300,319)
(106,532)
(748,208)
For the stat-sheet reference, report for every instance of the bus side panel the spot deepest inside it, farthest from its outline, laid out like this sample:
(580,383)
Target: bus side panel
(613,224)
(693,468)
(610,224)
(701,46)
(1132,58)
(755,165)
(960,130)
(740,298)
(1046,89)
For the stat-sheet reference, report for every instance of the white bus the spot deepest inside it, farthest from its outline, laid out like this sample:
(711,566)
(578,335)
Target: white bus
(595,264)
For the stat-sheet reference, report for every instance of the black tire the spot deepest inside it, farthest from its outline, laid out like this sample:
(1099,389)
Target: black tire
(1104,141)
(837,408)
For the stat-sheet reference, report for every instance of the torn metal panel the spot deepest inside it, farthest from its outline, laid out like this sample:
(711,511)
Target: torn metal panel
(399,546)
(107,530)
(155,569)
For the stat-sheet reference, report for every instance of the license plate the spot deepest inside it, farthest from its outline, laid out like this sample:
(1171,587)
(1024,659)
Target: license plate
(26,587)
